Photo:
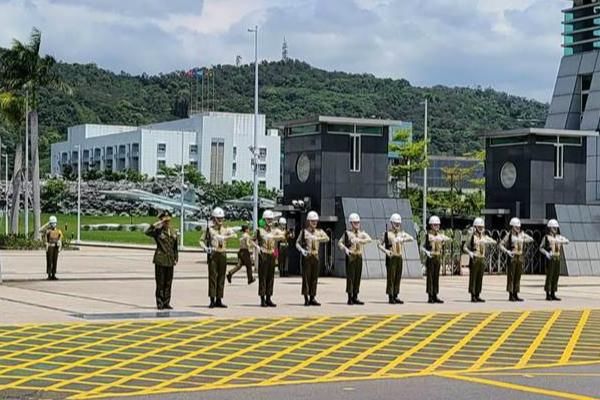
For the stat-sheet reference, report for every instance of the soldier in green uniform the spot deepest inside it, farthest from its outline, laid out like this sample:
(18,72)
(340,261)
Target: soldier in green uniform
(352,243)
(52,237)
(244,256)
(551,247)
(308,244)
(266,241)
(283,246)
(216,246)
(392,244)
(166,257)
(433,246)
(475,247)
(513,245)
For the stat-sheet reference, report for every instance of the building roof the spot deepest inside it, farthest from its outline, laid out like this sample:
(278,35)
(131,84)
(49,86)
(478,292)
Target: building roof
(340,120)
(539,132)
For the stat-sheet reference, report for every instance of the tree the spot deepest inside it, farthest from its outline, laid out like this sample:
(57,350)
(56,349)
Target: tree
(411,157)
(22,69)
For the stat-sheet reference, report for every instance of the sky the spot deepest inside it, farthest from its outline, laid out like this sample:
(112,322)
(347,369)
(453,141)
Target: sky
(509,45)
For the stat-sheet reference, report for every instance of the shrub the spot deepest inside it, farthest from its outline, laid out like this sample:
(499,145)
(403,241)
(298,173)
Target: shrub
(19,242)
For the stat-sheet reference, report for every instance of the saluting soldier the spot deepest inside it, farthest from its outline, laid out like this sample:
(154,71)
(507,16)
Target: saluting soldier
(308,244)
(283,246)
(392,244)
(244,256)
(266,241)
(551,247)
(433,246)
(352,243)
(166,257)
(513,244)
(475,247)
(216,238)
(53,238)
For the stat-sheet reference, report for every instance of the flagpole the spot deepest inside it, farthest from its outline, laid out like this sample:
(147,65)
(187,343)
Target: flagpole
(202,90)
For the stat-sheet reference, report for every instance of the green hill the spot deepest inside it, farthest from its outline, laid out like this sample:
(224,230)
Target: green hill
(288,90)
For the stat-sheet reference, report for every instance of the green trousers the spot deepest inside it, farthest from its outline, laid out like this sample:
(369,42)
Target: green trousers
(513,274)
(310,275)
(51,260)
(393,265)
(266,274)
(217,269)
(354,265)
(476,269)
(164,281)
(552,274)
(244,260)
(433,266)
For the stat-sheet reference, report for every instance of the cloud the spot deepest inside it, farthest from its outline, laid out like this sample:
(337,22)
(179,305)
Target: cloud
(511,45)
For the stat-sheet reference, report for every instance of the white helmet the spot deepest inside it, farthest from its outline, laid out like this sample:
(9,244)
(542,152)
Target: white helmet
(354,217)
(396,219)
(312,216)
(478,222)
(434,220)
(553,224)
(268,214)
(515,222)
(218,213)
(52,220)
(282,221)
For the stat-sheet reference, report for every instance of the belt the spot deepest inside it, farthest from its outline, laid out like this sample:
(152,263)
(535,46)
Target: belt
(266,252)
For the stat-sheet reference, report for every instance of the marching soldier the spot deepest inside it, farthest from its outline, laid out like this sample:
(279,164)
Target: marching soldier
(392,244)
(244,256)
(283,247)
(308,243)
(165,258)
(513,244)
(266,241)
(52,237)
(216,246)
(434,243)
(352,243)
(475,248)
(551,247)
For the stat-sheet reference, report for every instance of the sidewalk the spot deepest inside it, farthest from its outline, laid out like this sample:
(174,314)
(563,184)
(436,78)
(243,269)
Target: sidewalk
(98,280)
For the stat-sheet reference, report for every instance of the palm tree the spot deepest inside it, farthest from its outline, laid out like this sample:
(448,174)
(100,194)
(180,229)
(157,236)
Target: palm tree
(23,71)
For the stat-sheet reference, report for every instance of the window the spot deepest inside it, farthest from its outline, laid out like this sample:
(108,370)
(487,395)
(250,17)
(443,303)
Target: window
(234,152)
(340,128)
(217,151)
(161,149)
(370,130)
(355,153)
(586,84)
(234,169)
(194,164)
(160,164)
(303,130)
(262,153)
(122,151)
(262,184)
(135,149)
(559,161)
(504,141)
(262,169)
(193,150)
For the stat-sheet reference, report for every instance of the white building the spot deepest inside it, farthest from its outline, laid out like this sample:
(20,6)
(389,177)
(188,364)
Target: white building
(217,143)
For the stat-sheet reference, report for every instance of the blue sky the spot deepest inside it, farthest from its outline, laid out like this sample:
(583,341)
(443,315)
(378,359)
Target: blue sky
(510,45)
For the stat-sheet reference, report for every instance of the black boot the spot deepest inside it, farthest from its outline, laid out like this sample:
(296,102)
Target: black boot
(548,297)
(391,299)
(263,302)
(212,303)
(313,301)
(270,303)
(554,297)
(350,300)
(229,278)
(431,300)
(219,304)
(473,298)
(306,301)
(397,300)
(357,301)
(251,281)
(517,298)
(437,300)
(479,299)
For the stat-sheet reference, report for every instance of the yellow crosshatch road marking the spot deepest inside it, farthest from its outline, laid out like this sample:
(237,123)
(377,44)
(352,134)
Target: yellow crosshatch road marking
(94,360)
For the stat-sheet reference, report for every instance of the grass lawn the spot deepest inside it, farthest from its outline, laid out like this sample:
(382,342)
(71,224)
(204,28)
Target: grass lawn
(68,223)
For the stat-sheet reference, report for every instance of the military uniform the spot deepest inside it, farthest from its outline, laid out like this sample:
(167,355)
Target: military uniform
(434,243)
(217,268)
(515,243)
(393,243)
(551,246)
(267,239)
(165,258)
(476,246)
(353,243)
(309,241)
(244,258)
(282,250)
(53,238)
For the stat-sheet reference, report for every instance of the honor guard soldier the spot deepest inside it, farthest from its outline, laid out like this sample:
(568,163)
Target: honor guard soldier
(551,247)
(513,245)
(53,238)
(352,243)
(308,244)
(216,246)
(266,241)
(475,247)
(392,244)
(282,250)
(433,246)
(244,256)
(165,258)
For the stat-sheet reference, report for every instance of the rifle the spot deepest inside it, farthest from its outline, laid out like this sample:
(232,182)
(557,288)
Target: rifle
(208,241)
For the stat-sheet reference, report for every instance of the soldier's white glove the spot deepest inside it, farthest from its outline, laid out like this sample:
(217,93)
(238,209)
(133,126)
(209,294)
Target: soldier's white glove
(47,246)
(60,246)
(304,253)
(347,252)
(388,253)
(471,254)
(428,253)
(547,254)
(511,254)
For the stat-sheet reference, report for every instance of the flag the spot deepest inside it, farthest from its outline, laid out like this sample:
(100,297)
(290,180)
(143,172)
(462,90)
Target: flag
(199,72)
